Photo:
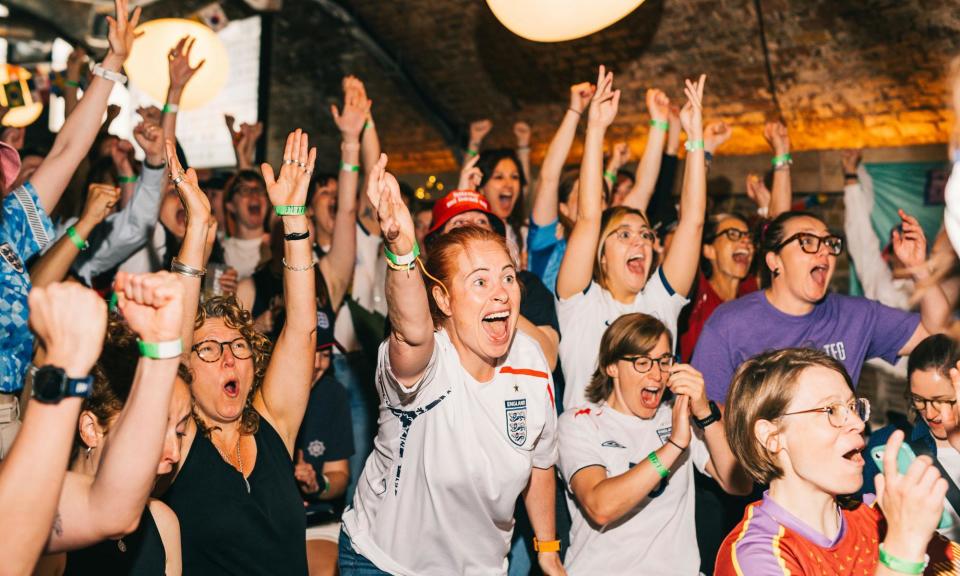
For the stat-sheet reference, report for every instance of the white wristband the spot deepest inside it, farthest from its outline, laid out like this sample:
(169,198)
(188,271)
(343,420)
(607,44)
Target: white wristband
(102,72)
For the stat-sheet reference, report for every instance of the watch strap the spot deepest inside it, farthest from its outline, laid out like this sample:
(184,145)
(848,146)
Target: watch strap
(79,387)
(714,416)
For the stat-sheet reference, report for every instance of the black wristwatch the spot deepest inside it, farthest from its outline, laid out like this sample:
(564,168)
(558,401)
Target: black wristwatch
(713,417)
(51,385)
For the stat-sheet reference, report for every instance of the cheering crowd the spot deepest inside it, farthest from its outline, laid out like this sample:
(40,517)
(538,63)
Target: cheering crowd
(561,372)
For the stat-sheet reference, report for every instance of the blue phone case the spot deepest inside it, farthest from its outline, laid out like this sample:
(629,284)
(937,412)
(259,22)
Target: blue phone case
(905,457)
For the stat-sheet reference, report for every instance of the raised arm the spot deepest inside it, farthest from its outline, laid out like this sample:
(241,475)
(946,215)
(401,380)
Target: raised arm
(680,265)
(122,154)
(522,131)
(478,131)
(75,70)
(779,139)
(54,265)
(80,129)
(619,155)
(110,506)
(576,268)
(191,261)
(910,246)
(659,106)
(286,385)
(410,343)
(545,196)
(70,322)
(337,266)
(714,136)
(370,153)
(180,72)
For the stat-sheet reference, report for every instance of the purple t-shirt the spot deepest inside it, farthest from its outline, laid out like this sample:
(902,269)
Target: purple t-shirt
(850,329)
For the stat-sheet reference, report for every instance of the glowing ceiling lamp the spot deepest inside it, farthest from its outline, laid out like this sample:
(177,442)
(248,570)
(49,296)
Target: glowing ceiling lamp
(147,64)
(558,20)
(16,96)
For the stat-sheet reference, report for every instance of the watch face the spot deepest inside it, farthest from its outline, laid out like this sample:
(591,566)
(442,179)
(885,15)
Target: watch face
(48,384)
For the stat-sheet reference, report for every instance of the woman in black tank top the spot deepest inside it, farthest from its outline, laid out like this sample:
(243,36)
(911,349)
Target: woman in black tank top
(239,507)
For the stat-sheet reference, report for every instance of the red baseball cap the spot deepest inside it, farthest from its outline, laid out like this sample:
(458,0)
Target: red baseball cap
(460,201)
(9,164)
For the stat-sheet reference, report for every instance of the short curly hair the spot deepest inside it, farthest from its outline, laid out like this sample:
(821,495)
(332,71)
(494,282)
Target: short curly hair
(229,309)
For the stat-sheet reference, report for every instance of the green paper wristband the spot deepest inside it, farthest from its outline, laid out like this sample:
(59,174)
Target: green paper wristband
(161,350)
(901,565)
(72,83)
(611,176)
(692,145)
(472,153)
(290,210)
(663,472)
(79,242)
(404,260)
(112,305)
(348,167)
(781,160)
(168,108)
(127,179)
(661,124)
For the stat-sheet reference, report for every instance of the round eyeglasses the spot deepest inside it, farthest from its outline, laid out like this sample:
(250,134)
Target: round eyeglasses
(940,405)
(212,350)
(644,364)
(810,243)
(838,413)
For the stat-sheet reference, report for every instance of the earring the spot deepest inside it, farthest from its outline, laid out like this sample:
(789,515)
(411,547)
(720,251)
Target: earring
(776,272)
(88,451)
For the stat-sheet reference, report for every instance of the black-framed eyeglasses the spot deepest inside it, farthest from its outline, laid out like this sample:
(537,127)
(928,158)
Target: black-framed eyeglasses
(839,412)
(644,364)
(940,405)
(212,350)
(734,234)
(810,243)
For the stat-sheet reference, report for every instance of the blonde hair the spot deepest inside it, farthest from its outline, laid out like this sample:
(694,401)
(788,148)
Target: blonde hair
(629,335)
(762,389)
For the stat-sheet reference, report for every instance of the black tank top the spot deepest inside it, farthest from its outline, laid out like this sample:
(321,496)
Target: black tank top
(225,530)
(138,553)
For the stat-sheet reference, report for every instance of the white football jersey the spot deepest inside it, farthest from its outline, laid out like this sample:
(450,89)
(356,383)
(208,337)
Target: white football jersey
(437,495)
(658,537)
(584,317)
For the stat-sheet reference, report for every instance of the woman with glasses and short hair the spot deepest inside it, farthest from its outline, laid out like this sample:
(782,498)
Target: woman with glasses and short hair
(610,267)
(799,258)
(933,399)
(795,424)
(234,490)
(628,456)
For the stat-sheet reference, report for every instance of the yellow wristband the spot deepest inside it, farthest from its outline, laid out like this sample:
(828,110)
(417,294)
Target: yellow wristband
(546,545)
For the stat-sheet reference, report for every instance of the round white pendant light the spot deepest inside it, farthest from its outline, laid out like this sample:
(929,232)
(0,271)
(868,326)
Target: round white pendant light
(147,65)
(558,20)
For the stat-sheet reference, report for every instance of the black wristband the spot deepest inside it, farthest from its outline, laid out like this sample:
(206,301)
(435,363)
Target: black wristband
(297,235)
(152,167)
(848,176)
(682,449)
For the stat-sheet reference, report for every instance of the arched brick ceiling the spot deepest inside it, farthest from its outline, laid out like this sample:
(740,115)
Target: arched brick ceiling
(865,73)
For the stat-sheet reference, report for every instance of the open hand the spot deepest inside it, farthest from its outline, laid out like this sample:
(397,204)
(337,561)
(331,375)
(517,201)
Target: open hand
(179,62)
(195,202)
(396,224)
(122,30)
(291,186)
(909,241)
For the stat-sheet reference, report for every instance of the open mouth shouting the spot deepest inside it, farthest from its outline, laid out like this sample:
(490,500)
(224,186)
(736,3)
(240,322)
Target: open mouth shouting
(505,200)
(741,257)
(255,208)
(854,456)
(637,264)
(496,325)
(650,397)
(819,274)
(231,388)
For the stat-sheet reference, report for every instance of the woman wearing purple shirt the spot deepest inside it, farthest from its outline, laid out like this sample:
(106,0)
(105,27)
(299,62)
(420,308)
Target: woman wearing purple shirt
(800,256)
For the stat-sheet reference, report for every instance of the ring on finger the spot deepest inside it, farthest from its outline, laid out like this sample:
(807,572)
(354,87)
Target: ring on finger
(288,161)
(302,165)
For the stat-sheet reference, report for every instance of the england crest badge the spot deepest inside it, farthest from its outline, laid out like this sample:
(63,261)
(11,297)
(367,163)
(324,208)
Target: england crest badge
(11,256)
(516,415)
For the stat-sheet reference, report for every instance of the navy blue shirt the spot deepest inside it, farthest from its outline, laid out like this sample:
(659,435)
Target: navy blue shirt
(326,435)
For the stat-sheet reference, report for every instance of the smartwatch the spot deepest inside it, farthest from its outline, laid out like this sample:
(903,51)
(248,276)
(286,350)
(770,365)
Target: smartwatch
(713,417)
(51,385)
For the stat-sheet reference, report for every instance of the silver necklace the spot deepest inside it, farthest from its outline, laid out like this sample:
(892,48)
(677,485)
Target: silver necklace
(239,462)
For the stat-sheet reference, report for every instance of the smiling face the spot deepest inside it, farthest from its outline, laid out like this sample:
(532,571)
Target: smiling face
(220,388)
(249,204)
(180,408)
(503,188)
(731,258)
(639,393)
(627,255)
(932,385)
(484,302)
(804,277)
(811,450)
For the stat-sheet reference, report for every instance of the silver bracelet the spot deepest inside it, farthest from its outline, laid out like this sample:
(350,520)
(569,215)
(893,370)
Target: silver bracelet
(298,268)
(102,72)
(178,267)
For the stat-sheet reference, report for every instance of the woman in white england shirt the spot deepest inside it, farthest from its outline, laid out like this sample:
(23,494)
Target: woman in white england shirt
(628,457)
(610,267)
(467,422)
